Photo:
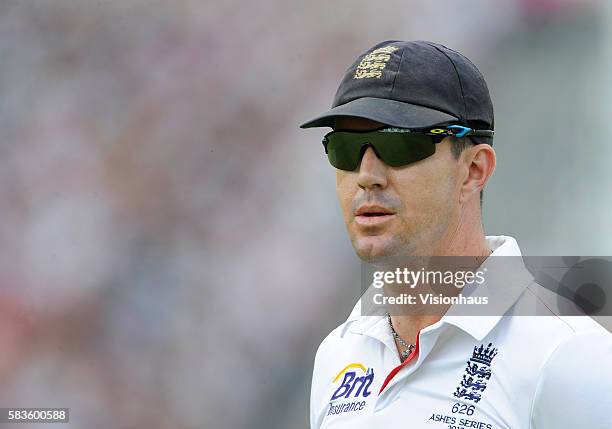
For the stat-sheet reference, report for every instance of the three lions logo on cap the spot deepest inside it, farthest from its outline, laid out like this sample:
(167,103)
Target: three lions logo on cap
(372,65)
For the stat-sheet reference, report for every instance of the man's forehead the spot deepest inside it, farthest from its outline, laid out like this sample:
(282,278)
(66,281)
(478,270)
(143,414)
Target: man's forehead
(355,123)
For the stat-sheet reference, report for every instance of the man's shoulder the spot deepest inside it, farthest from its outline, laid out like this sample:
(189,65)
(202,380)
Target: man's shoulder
(568,339)
(582,340)
(332,338)
(557,310)
(343,340)
(336,336)
(539,324)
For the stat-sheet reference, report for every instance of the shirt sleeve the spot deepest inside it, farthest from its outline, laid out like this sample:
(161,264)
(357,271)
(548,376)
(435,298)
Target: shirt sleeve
(315,420)
(321,378)
(574,389)
(319,382)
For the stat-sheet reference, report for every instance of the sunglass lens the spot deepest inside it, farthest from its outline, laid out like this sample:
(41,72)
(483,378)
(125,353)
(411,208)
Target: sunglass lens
(345,149)
(398,150)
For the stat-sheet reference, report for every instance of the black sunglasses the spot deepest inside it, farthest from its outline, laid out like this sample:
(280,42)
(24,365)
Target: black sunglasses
(396,147)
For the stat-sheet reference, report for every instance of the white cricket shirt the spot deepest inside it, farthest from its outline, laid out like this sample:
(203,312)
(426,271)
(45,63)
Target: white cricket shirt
(483,372)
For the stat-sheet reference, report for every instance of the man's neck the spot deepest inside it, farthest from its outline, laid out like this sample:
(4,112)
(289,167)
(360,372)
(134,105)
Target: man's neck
(408,326)
(465,238)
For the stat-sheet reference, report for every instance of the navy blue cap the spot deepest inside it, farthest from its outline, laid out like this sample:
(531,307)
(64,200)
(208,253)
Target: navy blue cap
(415,84)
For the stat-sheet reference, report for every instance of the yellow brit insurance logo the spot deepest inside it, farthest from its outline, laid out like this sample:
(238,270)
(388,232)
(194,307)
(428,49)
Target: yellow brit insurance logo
(356,381)
(372,65)
(353,386)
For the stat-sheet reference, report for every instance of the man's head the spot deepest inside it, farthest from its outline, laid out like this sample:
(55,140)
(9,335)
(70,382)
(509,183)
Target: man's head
(423,205)
(417,209)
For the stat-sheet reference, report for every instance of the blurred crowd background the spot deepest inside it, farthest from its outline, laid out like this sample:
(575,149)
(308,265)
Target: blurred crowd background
(172,251)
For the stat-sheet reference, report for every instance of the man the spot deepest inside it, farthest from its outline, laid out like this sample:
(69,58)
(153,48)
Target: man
(412,144)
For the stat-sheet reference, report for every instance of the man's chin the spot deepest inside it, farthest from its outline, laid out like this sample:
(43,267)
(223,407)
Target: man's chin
(375,248)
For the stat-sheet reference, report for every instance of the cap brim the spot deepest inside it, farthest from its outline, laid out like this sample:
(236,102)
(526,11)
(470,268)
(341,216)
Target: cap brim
(389,112)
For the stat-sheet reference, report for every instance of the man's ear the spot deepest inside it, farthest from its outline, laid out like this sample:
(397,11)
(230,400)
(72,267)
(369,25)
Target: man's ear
(480,163)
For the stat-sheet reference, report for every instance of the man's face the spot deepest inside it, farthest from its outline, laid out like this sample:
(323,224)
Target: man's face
(410,210)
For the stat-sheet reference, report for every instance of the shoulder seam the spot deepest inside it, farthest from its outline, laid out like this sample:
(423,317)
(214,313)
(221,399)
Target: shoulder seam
(557,316)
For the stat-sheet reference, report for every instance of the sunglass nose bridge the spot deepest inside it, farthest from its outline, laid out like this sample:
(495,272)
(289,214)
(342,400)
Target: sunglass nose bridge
(364,148)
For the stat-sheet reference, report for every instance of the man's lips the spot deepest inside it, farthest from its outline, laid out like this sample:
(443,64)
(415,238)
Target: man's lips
(372,215)
(372,210)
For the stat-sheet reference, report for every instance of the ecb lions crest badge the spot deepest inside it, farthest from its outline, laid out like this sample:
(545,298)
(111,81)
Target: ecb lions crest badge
(477,373)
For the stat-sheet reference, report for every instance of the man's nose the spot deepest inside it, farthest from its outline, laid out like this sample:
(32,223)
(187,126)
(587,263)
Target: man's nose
(372,171)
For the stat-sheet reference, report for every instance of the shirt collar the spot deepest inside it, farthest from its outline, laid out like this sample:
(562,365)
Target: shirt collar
(476,326)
